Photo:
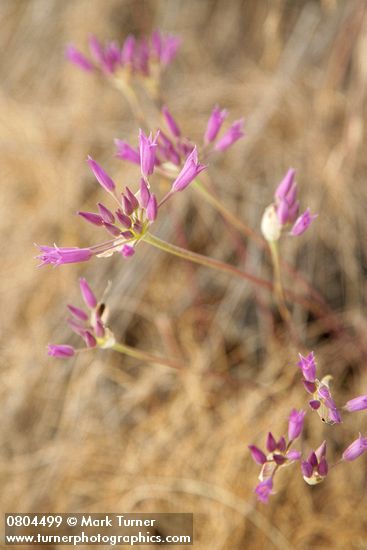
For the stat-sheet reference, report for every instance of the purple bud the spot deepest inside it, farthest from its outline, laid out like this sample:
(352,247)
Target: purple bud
(89,339)
(234,133)
(76,57)
(215,122)
(306,468)
(99,329)
(271,444)
(76,327)
(171,123)
(147,148)
(77,312)
(291,195)
(257,454)
(169,46)
(310,387)
(96,49)
(127,251)
(190,170)
(133,200)
(302,223)
(293,455)
(127,234)
(91,217)
(293,212)
(87,293)
(144,193)
(356,404)
(312,459)
(152,208)
(102,177)
(126,152)
(113,229)
(123,219)
(295,425)
(279,459)
(314,404)
(355,449)
(106,214)
(283,212)
(264,489)
(127,206)
(57,256)
(334,415)
(308,366)
(62,351)
(321,451)
(285,185)
(323,467)
(128,49)
(282,445)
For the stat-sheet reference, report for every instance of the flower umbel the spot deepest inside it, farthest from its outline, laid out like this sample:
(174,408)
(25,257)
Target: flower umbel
(321,401)
(90,325)
(136,211)
(284,210)
(279,454)
(138,58)
(172,150)
(315,468)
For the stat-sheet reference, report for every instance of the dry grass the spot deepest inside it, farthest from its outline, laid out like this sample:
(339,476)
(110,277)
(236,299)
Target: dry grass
(104,433)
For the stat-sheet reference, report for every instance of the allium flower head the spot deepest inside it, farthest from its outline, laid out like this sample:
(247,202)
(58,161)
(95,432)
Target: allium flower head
(130,222)
(136,57)
(284,210)
(173,148)
(278,455)
(321,401)
(315,468)
(90,326)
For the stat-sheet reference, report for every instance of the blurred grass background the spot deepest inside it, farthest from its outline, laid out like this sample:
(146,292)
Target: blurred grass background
(104,433)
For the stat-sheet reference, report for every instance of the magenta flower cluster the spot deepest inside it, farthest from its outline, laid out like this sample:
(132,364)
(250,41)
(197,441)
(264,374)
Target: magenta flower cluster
(89,325)
(136,56)
(135,212)
(315,467)
(279,454)
(287,205)
(174,148)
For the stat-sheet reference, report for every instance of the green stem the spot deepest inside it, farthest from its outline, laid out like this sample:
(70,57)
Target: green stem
(227,214)
(146,356)
(205,261)
(278,287)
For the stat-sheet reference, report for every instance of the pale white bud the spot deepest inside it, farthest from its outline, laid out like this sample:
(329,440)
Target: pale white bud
(271,227)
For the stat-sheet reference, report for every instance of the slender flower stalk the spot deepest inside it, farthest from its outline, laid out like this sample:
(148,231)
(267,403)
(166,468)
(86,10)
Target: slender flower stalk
(204,260)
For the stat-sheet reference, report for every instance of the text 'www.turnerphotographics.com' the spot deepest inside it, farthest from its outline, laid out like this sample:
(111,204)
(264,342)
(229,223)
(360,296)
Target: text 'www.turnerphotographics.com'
(96,529)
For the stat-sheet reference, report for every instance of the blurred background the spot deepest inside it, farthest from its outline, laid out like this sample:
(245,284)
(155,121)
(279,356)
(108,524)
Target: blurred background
(105,433)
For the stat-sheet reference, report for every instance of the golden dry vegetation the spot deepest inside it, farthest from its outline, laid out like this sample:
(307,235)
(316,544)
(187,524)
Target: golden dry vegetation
(104,433)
